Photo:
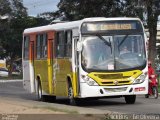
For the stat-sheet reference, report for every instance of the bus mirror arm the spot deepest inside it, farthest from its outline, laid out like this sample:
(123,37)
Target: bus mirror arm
(79,46)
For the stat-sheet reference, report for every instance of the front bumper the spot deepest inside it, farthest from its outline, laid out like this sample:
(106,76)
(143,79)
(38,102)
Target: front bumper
(103,91)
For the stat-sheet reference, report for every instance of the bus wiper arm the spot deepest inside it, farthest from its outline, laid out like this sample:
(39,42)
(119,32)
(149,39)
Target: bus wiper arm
(122,41)
(104,40)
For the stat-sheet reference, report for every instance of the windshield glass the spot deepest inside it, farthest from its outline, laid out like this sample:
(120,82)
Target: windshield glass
(117,52)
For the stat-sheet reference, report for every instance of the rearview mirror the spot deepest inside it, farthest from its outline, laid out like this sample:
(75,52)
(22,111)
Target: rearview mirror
(79,46)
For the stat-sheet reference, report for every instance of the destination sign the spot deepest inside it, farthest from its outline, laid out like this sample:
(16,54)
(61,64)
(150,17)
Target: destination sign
(110,26)
(116,27)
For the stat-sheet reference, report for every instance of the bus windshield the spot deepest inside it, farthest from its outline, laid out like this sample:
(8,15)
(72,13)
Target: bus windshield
(118,52)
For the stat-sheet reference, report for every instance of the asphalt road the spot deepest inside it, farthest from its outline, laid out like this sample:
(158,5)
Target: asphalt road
(142,105)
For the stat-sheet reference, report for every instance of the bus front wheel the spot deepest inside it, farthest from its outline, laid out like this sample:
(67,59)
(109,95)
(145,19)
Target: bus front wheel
(72,101)
(130,99)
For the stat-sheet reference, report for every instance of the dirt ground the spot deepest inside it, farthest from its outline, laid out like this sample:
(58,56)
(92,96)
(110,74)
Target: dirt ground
(13,110)
(12,107)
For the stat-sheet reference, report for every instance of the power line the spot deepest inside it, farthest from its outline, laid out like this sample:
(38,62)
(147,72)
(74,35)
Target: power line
(38,3)
(31,3)
(40,6)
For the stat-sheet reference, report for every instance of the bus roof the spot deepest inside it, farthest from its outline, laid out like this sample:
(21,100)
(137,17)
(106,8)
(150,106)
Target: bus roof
(72,24)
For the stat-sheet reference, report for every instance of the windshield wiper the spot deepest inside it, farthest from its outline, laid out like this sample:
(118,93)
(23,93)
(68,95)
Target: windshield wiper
(105,41)
(122,41)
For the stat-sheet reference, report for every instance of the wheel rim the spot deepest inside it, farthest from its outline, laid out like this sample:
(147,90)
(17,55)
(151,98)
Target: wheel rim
(70,96)
(39,92)
(70,93)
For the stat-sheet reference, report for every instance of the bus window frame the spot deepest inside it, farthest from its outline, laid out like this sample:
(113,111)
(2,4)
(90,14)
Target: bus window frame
(64,44)
(41,37)
(26,49)
(68,44)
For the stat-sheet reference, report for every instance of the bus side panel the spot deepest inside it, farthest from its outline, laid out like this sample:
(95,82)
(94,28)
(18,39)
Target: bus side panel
(26,76)
(61,72)
(31,62)
(75,82)
(51,83)
(41,70)
(26,66)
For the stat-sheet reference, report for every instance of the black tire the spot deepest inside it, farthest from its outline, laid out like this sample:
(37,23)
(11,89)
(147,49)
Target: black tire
(147,96)
(48,98)
(39,92)
(155,92)
(72,101)
(130,99)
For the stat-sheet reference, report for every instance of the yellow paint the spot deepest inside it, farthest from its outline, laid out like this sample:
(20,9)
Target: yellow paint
(59,87)
(63,69)
(50,76)
(75,84)
(108,79)
(41,68)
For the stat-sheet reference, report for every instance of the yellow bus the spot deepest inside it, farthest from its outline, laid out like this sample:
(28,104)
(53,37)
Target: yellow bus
(90,58)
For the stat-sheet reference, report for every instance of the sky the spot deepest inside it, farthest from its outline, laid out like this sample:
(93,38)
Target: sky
(36,7)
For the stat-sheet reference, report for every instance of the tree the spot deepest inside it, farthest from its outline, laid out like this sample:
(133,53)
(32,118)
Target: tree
(17,8)
(151,8)
(79,9)
(50,16)
(153,12)
(11,32)
(11,29)
(131,8)
(4,7)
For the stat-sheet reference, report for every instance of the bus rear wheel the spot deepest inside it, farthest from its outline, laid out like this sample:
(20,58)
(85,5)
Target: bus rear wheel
(39,91)
(130,99)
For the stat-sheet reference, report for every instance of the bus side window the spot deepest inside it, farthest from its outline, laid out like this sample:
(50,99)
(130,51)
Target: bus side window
(64,44)
(26,48)
(68,44)
(44,46)
(38,46)
(60,45)
(41,46)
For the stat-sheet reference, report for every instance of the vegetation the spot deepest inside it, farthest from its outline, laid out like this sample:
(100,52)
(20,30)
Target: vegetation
(14,19)
(11,29)
(147,10)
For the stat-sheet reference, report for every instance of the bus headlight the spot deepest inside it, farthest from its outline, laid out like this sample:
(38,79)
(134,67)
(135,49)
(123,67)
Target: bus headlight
(140,79)
(89,80)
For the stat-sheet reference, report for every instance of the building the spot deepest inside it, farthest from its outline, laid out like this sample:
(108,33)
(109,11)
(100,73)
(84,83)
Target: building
(2,63)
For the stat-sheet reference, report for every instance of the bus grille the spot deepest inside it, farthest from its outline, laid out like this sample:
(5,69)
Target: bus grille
(116,82)
(111,76)
(115,79)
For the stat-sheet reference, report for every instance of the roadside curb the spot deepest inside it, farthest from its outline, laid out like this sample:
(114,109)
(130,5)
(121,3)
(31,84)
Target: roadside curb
(6,81)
